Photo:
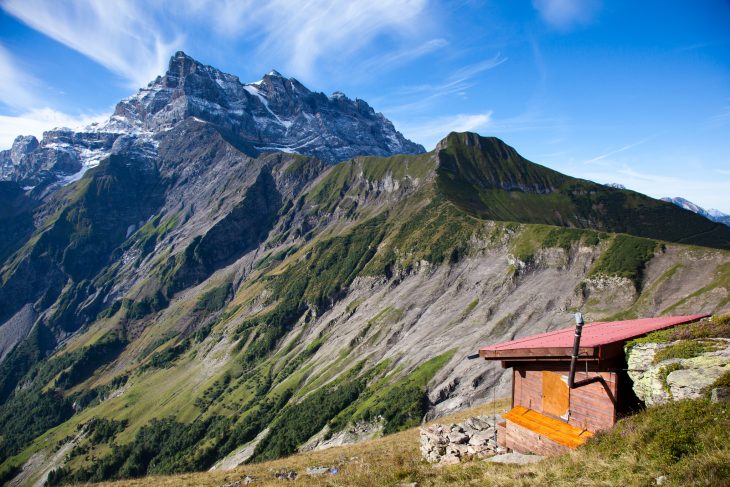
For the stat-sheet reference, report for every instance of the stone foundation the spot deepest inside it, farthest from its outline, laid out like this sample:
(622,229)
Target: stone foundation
(450,444)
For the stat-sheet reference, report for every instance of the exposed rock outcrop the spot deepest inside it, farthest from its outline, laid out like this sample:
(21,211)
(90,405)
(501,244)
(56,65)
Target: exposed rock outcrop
(360,431)
(657,382)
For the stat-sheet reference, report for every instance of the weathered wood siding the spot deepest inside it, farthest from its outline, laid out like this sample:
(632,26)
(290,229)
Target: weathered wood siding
(592,407)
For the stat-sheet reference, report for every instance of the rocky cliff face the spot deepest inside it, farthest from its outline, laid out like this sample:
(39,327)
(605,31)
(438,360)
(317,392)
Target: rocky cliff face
(273,114)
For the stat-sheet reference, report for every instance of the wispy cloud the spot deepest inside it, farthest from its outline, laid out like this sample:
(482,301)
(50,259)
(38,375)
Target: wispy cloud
(429,132)
(120,35)
(134,38)
(15,89)
(36,121)
(458,79)
(567,14)
(422,96)
(617,151)
(401,56)
(307,33)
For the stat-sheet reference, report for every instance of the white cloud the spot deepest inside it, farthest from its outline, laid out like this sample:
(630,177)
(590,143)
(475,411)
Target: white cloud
(429,132)
(120,35)
(14,88)
(400,57)
(566,14)
(134,38)
(36,121)
(306,33)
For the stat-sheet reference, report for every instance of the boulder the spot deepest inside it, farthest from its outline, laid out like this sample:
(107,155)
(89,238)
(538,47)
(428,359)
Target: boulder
(676,378)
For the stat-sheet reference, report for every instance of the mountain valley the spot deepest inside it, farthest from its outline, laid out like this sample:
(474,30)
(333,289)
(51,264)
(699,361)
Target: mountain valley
(225,273)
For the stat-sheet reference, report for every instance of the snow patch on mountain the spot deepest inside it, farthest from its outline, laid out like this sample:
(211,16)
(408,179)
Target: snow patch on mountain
(711,214)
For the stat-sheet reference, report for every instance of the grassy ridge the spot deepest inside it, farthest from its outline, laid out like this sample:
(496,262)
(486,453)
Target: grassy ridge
(488,178)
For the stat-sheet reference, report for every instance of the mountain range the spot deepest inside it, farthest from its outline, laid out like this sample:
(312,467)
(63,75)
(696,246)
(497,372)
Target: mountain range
(227,272)
(272,114)
(711,214)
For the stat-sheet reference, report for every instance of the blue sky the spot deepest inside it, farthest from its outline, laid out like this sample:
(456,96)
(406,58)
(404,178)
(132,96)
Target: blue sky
(631,92)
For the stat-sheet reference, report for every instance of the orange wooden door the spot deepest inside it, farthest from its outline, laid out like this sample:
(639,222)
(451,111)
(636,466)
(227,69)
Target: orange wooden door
(555,394)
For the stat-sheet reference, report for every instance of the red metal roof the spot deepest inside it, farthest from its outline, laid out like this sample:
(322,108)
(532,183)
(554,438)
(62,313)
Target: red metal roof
(559,343)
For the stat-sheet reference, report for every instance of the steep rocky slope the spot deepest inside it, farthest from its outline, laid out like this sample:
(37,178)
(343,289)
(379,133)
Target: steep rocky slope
(192,298)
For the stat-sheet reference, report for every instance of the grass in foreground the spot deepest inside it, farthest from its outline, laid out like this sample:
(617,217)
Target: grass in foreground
(687,441)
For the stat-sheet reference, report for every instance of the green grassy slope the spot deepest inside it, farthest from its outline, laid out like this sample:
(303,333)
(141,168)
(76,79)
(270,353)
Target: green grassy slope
(488,178)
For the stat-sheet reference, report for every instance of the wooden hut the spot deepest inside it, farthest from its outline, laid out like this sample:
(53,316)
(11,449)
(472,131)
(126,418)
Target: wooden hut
(570,383)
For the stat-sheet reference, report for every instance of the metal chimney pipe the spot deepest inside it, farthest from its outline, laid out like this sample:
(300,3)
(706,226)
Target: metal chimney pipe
(576,346)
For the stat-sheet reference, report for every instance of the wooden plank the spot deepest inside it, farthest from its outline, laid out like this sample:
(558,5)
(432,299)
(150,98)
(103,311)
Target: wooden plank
(537,352)
(523,440)
(529,393)
(591,406)
(554,429)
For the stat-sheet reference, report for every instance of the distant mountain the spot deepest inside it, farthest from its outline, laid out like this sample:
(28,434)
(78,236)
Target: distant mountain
(273,114)
(711,214)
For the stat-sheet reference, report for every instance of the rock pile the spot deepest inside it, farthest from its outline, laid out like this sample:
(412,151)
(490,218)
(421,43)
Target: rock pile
(450,444)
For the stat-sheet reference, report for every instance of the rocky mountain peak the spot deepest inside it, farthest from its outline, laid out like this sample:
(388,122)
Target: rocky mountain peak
(181,65)
(22,146)
(275,114)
